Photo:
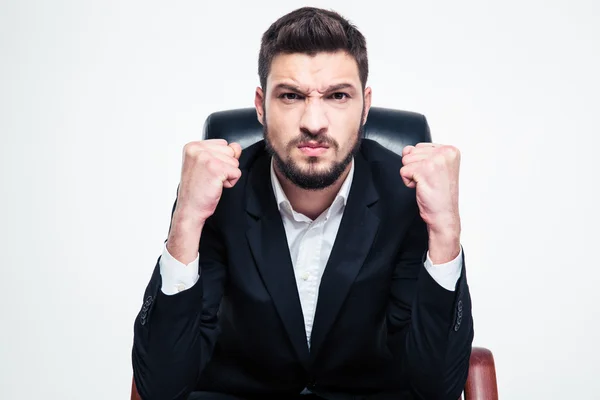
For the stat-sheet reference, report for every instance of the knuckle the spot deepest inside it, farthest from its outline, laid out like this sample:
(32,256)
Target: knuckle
(194,150)
(438,160)
(456,153)
(230,151)
(189,149)
(451,151)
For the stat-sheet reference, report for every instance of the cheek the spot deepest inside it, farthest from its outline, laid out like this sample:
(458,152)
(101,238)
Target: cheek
(279,140)
(282,130)
(345,132)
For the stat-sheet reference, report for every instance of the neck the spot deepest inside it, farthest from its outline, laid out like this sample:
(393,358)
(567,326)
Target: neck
(311,203)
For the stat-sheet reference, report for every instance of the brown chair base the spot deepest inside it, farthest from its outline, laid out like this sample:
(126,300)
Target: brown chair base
(481,382)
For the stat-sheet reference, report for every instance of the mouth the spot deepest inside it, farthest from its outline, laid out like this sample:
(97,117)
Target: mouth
(313,148)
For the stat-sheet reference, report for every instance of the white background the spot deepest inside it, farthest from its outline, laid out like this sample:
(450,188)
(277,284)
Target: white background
(98,98)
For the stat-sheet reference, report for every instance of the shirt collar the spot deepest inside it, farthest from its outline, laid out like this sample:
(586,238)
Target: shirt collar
(283,202)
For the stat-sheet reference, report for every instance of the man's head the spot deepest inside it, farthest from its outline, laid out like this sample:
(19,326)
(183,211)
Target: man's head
(313,99)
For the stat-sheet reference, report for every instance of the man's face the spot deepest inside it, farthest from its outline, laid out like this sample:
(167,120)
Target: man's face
(313,112)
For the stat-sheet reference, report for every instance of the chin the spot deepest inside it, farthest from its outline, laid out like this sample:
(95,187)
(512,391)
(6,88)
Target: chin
(314,164)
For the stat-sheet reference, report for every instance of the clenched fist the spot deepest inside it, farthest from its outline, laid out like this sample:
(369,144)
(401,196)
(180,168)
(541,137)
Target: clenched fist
(208,167)
(433,170)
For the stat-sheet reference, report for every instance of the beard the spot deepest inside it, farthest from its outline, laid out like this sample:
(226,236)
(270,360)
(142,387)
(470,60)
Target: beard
(311,178)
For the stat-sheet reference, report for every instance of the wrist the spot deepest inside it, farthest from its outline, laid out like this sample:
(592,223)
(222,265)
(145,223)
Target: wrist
(444,241)
(187,219)
(444,226)
(184,237)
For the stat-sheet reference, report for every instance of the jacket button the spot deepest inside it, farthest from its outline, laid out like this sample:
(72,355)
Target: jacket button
(460,305)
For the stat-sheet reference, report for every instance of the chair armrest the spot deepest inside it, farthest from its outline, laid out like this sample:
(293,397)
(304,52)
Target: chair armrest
(481,382)
(134,392)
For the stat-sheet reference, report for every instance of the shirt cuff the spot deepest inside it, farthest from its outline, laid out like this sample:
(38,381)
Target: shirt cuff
(176,276)
(447,274)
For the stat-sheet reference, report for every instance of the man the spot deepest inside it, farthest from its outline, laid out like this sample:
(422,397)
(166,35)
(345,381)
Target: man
(312,264)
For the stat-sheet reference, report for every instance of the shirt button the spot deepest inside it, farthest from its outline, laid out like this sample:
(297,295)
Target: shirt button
(305,276)
(180,287)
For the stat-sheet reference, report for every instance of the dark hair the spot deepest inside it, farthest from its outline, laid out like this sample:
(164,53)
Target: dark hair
(311,30)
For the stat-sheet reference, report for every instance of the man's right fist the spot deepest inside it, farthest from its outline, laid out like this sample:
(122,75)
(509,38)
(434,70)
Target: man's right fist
(208,166)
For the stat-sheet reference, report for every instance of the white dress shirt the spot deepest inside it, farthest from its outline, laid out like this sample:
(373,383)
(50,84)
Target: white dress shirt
(310,243)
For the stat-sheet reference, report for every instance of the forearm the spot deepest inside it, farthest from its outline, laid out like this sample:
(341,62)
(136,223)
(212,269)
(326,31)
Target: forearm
(435,344)
(169,344)
(176,329)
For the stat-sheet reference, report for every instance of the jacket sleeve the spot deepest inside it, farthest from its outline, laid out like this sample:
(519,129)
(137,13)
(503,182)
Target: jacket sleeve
(430,329)
(174,335)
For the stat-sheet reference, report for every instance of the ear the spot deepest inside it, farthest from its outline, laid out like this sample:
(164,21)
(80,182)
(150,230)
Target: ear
(367,100)
(259,98)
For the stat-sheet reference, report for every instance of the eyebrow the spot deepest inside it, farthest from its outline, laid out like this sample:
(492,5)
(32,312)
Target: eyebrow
(297,89)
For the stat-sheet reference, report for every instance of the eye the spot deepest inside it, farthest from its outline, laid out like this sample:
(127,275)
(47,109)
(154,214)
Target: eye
(340,96)
(290,96)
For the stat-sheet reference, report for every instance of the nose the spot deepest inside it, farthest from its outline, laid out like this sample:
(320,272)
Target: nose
(314,119)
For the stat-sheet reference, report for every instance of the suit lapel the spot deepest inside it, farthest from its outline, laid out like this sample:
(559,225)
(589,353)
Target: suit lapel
(355,237)
(268,243)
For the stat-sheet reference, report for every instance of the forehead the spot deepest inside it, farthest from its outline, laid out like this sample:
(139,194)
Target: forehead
(315,72)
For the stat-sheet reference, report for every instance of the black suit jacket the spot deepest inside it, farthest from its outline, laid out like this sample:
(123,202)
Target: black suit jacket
(382,324)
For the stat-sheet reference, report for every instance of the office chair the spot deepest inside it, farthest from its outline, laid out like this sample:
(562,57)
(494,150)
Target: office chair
(394,129)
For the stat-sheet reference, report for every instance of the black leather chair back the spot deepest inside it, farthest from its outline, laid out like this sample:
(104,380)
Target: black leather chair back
(393,129)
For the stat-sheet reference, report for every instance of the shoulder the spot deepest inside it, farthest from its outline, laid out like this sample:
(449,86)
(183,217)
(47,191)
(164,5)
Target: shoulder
(384,167)
(379,158)
(251,154)
(254,165)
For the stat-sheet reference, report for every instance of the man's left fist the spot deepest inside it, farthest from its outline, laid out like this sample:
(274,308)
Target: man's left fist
(433,170)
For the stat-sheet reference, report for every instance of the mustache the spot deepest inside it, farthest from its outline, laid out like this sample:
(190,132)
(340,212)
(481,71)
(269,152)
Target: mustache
(321,139)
